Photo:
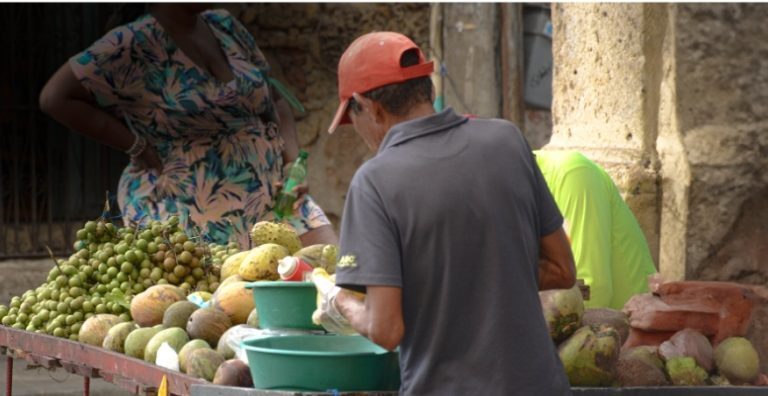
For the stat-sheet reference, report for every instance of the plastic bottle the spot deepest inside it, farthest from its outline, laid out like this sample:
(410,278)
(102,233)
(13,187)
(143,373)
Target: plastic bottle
(293,268)
(296,175)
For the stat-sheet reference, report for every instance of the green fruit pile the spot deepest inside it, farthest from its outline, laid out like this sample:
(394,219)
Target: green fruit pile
(109,266)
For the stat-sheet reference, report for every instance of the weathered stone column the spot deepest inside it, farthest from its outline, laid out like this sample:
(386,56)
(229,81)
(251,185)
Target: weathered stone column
(714,144)
(606,96)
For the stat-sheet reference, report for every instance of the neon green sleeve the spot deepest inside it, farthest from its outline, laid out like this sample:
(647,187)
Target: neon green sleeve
(587,210)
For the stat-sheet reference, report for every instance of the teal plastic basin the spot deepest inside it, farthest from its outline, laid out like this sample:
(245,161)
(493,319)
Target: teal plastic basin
(285,305)
(321,363)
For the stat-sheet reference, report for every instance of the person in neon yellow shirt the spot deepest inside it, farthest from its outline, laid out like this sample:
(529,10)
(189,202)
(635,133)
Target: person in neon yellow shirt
(610,250)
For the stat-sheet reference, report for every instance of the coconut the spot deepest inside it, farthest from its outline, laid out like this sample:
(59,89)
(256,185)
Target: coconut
(175,337)
(737,360)
(187,349)
(178,314)
(563,309)
(607,316)
(589,356)
(203,363)
(640,366)
(115,339)
(208,324)
(233,372)
(137,341)
(94,330)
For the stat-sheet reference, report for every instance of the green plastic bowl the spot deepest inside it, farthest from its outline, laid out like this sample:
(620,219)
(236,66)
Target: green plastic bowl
(321,363)
(285,305)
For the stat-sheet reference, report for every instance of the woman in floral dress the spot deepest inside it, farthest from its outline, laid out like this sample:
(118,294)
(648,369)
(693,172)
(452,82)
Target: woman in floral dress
(184,92)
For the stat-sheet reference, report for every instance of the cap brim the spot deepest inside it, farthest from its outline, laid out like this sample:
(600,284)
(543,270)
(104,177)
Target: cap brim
(341,116)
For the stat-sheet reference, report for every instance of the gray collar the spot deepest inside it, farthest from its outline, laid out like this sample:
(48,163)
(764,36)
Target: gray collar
(421,126)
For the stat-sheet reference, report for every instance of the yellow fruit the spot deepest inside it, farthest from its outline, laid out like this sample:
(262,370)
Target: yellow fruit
(232,264)
(265,232)
(236,301)
(261,262)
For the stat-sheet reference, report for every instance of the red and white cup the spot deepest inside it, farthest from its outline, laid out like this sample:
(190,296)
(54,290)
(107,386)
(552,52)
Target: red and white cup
(294,269)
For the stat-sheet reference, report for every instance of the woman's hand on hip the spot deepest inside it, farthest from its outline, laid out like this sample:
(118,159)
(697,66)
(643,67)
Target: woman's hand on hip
(149,160)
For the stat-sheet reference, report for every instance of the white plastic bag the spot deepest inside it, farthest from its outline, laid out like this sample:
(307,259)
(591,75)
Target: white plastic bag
(167,357)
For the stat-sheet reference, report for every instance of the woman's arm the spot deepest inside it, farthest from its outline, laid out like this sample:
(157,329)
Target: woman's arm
(66,100)
(287,126)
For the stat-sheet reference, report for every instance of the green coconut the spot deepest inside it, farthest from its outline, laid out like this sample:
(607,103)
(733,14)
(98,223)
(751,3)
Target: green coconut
(563,310)
(737,360)
(589,356)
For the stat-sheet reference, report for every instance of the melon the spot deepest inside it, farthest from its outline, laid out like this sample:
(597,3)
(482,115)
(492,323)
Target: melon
(115,339)
(208,324)
(148,307)
(175,337)
(178,314)
(95,329)
(203,363)
(137,341)
(233,372)
(261,262)
(236,301)
(187,349)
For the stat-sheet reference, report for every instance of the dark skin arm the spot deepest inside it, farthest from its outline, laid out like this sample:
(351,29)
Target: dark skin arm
(379,317)
(68,102)
(322,234)
(556,265)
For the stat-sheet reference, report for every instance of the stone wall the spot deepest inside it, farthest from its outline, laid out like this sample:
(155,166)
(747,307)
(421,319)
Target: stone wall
(721,90)
(303,43)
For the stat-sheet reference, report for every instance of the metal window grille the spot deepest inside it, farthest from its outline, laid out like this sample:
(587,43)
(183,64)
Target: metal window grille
(51,179)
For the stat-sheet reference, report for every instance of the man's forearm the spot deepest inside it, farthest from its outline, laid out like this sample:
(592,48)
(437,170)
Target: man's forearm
(353,309)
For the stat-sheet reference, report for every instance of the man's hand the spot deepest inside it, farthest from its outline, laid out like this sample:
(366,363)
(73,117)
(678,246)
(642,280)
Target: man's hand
(326,314)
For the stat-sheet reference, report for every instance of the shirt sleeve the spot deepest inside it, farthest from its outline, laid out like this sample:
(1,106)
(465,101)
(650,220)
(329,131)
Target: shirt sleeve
(105,69)
(369,254)
(587,209)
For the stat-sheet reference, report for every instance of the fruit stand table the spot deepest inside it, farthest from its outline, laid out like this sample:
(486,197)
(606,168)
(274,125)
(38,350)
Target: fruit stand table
(134,375)
(213,390)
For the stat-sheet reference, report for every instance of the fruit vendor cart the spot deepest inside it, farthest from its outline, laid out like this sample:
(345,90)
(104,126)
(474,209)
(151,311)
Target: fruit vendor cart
(140,377)
(133,375)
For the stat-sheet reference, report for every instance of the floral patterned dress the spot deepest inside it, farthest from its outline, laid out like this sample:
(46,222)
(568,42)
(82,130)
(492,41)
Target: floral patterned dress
(219,143)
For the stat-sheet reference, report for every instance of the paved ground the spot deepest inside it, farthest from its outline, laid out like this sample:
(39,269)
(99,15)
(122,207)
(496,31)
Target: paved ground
(39,381)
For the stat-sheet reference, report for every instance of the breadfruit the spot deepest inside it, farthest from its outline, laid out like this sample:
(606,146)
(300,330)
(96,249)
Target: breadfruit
(278,233)
(261,263)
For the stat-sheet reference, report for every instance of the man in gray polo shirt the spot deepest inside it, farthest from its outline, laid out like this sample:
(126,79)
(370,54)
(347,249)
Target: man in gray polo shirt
(449,230)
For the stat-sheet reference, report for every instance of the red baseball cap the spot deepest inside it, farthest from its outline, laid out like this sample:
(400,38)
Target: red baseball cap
(373,61)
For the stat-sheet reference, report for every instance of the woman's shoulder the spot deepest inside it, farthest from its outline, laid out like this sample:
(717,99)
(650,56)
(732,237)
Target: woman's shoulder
(139,32)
